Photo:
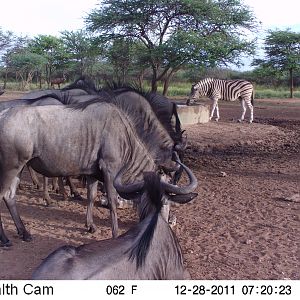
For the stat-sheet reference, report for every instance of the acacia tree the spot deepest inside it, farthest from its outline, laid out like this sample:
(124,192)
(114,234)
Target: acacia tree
(282,51)
(9,44)
(52,49)
(81,48)
(175,33)
(25,64)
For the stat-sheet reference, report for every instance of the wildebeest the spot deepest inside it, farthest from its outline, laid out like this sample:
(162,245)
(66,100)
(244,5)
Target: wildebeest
(39,99)
(147,106)
(149,250)
(95,139)
(57,81)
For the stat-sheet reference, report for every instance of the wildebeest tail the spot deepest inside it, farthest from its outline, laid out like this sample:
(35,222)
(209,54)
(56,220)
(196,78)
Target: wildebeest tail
(177,121)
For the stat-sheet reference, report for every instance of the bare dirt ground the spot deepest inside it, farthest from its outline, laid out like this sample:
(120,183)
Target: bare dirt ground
(244,224)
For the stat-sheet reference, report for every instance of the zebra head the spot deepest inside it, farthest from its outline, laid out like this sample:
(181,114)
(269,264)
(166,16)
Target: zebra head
(200,89)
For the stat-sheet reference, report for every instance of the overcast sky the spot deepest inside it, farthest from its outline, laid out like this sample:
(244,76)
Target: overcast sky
(33,17)
(50,17)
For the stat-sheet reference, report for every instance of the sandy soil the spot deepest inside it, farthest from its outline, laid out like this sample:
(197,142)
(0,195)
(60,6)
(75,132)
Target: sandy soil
(244,224)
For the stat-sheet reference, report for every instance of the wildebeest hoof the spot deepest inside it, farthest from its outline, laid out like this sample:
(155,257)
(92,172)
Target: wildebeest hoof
(240,121)
(103,201)
(5,245)
(26,237)
(77,196)
(49,202)
(91,228)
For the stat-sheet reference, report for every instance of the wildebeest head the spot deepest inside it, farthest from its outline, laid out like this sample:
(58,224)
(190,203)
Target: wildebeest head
(174,191)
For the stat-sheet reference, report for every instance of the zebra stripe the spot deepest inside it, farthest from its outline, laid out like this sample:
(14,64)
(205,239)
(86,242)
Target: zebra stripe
(229,90)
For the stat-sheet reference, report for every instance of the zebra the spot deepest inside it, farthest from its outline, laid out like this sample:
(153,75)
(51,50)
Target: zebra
(229,90)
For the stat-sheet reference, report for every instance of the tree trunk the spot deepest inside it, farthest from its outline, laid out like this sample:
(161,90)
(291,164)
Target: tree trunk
(5,79)
(166,86)
(141,78)
(291,84)
(168,80)
(154,85)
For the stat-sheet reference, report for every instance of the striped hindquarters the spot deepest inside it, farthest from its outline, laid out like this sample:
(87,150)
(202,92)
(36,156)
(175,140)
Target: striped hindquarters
(234,89)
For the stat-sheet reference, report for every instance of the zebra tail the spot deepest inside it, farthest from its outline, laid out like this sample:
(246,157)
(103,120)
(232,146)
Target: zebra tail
(252,98)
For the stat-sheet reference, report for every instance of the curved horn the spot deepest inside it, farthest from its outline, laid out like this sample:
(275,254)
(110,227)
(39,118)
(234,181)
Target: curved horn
(126,188)
(170,188)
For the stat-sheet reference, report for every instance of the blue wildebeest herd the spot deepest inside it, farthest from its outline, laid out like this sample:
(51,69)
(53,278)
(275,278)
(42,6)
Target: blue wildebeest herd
(123,138)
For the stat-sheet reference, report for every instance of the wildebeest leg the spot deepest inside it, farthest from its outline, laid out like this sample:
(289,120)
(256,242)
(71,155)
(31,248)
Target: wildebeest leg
(46,196)
(10,201)
(55,186)
(165,210)
(112,197)
(92,185)
(73,189)
(4,241)
(34,177)
(62,188)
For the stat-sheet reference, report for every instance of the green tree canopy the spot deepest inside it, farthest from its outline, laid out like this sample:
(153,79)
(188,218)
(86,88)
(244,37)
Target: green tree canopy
(282,53)
(175,33)
(26,64)
(52,49)
(82,49)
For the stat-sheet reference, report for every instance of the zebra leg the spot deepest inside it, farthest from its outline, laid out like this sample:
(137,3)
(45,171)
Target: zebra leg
(243,111)
(217,111)
(248,101)
(214,105)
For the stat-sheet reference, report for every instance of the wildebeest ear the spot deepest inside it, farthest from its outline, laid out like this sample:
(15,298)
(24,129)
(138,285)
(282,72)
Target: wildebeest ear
(183,198)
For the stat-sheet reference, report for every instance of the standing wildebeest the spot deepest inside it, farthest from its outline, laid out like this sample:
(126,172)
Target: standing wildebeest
(57,81)
(147,106)
(149,250)
(40,99)
(144,104)
(228,90)
(95,139)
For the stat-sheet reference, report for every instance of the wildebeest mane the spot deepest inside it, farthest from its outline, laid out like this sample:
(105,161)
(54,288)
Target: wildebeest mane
(152,205)
(147,127)
(83,83)
(50,95)
(153,99)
